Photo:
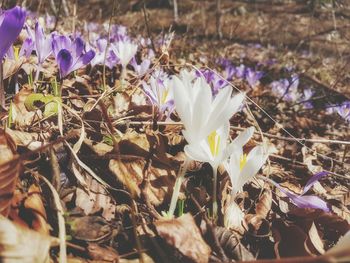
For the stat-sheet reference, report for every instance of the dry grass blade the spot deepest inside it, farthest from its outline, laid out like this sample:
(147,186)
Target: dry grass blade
(61,222)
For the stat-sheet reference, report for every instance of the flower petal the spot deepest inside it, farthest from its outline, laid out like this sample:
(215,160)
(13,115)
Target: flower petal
(181,101)
(78,47)
(305,201)
(83,60)
(11,26)
(64,61)
(313,180)
(255,160)
(242,138)
(196,153)
(60,42)
(27,48)
(43,45)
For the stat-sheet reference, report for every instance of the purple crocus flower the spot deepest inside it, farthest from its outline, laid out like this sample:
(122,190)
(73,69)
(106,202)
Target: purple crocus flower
(308,93)
(119,33)
(25,51)
(50,21)
(70,55)
(343,110)
(111,58)
(141,68)
(253,77)
(11,24)
(288,89)
(43,44)
(160,94)
(208,74)
(27,48)
(302,200)
(214,80)
(229,72)
(240,71)
(217,84)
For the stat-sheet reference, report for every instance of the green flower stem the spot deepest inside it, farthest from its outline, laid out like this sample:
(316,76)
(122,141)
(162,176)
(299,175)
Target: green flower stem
(122,78)
(177,187)
(215,186)
(37,73)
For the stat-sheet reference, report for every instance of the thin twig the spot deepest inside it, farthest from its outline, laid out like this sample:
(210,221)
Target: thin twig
(218,19)
(176,11)
(61,223)
(147,26)
(74,15)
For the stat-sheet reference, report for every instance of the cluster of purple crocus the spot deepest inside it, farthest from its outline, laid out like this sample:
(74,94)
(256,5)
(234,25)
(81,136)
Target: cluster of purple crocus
(70,52)
(230,72)
(287,89)
(242,72)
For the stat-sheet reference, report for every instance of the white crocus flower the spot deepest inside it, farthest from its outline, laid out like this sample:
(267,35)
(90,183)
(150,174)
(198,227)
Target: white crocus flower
(206,123)
(125,51)
(199,111)
(213,149)
(241,169)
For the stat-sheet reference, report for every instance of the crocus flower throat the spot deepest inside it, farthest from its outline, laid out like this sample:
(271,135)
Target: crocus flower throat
(214,143)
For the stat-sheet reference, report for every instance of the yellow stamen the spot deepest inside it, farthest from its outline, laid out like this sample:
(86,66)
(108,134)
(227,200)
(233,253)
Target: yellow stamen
(214,142)
(16,52)
(164,96)
(243,161)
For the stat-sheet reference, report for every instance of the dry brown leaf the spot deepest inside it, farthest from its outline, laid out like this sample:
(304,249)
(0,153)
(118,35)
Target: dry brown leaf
(30,140)
(308,158)
(333,225)
(21,116)
(315,239)
(22,245)
(27,210)
(145,259)
(229,241)
(96,252)
(134,149)
(12,66)
(121,103)
(306,123)
(95,200)
(34,204)
(101,149)
(289,236)
(257,225)
(9,171)
(130,173)
(233,216)
(98,228)
(263,206)
(183,234)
